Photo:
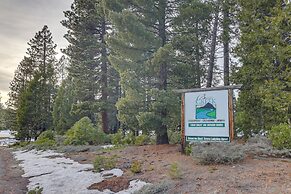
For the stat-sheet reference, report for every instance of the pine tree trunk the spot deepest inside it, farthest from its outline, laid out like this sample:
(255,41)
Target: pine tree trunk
(198,61)
(104,80)
(212,52)
(226,43)
(162,136)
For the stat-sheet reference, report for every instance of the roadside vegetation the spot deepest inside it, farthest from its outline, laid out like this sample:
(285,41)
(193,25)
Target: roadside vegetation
(114,85)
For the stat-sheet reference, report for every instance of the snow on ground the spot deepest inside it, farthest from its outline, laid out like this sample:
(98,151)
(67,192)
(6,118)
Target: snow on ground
(7,142)
(6,134)
(7,138)
(57,174)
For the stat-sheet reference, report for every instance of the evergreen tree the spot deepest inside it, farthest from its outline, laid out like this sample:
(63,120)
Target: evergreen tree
(193,27)
(93,77)
(29,121)
(2,115)
(23,74)
(62,117)
(61,69)
(141,53)
(226,40)
(264,51)
(33,87)
(43,55)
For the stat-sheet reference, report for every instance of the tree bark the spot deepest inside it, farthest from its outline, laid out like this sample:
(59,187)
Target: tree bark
(104,80)
(162,135)
(212,52)
(226,43)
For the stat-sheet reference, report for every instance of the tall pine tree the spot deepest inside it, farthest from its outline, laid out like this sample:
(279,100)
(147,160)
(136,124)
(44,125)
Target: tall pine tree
(93,76)
(33,87)
(142,55)
(264,51)
(192,28)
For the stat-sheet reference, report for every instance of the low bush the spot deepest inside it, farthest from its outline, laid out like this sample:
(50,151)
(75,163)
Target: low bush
(280,136)
(175,171)
(60,139)
(104,163)
(142,140)
(20,144)
(116,138)
(48,134)
(188,150)
(174,137)
(46,140)
(217,153)
(160,188)
(79,148)
(135,166)
(128,139)
(84,133)
(37,190)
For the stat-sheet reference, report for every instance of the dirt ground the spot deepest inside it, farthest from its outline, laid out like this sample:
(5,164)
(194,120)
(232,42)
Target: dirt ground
(253,175)
(11,181)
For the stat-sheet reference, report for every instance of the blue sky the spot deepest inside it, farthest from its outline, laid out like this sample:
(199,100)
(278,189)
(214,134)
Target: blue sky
(19,21)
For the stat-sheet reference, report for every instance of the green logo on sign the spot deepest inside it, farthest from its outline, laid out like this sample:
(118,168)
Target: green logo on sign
(205,107)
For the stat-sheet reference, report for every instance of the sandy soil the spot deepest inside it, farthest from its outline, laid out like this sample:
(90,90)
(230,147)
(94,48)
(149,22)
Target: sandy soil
(253,175)
(11,181)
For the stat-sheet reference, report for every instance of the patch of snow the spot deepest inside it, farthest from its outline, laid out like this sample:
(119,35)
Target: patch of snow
(7,141)
(134,185)
(57,174)
(107,146)
(6,134)
(7,138)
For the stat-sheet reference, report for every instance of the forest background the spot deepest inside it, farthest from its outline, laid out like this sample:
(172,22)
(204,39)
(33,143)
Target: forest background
(125,58)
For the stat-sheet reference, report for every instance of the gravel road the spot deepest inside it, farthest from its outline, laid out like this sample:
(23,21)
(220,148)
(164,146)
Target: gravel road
(11,181)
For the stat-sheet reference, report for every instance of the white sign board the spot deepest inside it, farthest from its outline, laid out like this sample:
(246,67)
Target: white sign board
(206,116)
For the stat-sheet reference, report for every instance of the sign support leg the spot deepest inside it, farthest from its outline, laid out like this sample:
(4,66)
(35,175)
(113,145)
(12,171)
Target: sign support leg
(230,113)
(183,140)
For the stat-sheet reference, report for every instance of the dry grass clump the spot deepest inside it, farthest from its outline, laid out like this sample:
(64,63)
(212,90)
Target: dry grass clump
(218,153)
(230,153)
(262,146)
(160,188)
(175,171)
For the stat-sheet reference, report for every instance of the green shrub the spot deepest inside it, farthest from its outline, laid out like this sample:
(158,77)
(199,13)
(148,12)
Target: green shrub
(142,140)
(174,137)
(104,163)
(135,166)
(128,139)
(175,171)
(280,136)
(84,133)
(45,140)
(37,190)
(188,150)
(60,139)
(116,138)
(20,144)
(48,134)
(44,144)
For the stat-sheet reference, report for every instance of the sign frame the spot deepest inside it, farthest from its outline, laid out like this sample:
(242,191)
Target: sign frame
(184,138)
